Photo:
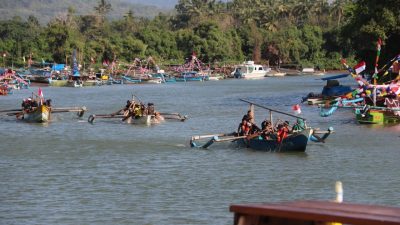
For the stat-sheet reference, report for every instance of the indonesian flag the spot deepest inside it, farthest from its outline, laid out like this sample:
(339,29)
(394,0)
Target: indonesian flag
(360,67)
(40,93)
(296,109)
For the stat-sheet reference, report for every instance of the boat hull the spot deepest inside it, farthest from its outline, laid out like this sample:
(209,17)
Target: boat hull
(377,117)
(40,115)
(58,83)
(143,120)
(293,143)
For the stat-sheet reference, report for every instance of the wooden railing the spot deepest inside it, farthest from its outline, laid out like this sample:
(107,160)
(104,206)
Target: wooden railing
(313,213)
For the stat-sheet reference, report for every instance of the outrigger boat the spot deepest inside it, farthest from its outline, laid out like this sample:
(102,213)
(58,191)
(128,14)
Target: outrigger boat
(37,109)
(136,112)
(294,142)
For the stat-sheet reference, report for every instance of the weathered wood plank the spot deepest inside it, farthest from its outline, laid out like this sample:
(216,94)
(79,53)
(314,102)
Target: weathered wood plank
(319,211)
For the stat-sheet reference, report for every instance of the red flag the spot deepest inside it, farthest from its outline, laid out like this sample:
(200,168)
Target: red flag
(296,109)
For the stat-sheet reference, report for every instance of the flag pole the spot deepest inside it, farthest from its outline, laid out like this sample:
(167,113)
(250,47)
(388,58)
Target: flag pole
(378,53)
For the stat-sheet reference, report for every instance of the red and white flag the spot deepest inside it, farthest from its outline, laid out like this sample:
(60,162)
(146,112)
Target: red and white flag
(40,93)
(296,109)
(360,67)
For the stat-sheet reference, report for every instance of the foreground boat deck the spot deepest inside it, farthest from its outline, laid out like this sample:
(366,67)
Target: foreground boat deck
(314,212)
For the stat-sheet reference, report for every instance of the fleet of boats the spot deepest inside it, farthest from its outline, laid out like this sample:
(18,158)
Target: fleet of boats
(374,101)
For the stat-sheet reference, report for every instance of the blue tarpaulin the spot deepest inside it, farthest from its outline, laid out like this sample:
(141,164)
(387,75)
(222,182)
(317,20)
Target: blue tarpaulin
(335,77)
(58,67)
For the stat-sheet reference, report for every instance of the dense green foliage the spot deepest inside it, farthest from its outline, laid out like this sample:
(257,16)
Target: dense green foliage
(303,33)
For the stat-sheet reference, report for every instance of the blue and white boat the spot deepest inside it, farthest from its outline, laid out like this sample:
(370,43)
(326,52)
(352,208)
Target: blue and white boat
(165,78)
(249,70)
(192,76)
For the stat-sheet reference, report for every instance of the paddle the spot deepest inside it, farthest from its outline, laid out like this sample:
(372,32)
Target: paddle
(9,110)
(79,110)
(216,139)
(117,112)
(177,116)
(198,137)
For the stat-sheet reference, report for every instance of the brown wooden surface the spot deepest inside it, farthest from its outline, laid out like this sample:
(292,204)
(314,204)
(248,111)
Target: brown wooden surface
(324,211)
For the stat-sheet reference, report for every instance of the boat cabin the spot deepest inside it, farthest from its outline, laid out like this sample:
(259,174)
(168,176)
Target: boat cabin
(313,213)
(250,67)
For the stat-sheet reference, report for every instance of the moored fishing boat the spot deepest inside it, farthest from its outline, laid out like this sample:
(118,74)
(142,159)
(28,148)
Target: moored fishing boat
(191,76)
(377,116)
(250,70)
(165,78)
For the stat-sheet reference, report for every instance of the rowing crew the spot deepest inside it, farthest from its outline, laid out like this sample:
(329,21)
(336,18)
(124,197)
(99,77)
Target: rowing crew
(268,131)
(137,110)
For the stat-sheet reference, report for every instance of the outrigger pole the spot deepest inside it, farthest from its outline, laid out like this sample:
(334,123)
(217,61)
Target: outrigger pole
(272,110)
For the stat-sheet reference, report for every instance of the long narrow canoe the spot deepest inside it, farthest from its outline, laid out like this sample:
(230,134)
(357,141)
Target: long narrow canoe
(39,115)
(293,143)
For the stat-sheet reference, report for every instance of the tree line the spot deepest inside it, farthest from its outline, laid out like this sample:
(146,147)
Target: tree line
(303,33)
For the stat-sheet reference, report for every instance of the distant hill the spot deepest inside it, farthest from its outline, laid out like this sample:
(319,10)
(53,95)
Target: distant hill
(44,10)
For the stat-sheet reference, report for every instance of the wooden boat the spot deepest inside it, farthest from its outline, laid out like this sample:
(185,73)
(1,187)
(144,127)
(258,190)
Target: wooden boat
(377,116)
(4,89)
(296,142)
(191,76)
(39,110)
(165,78)
(135,112)
(58,83)
(40,114)
(275,73)
(314,212)
(144,120)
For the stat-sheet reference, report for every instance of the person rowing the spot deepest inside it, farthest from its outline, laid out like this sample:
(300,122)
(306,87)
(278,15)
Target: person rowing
(283,131)
(267,130)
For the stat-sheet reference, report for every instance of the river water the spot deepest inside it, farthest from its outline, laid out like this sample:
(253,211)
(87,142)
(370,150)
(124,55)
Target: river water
(73,172)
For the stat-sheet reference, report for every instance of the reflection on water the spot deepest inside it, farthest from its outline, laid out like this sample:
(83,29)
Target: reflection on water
(72,172)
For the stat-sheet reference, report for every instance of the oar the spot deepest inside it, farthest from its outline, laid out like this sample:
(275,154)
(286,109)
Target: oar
(230,139)
(176,116)
(216,139)
(198,137)
(80,110)
(9,110)
(117,112)
(129,114)
(273,110)
(14,113)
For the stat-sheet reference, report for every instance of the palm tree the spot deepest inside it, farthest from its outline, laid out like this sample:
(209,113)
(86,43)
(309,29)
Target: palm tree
(337,9)
(103,8)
